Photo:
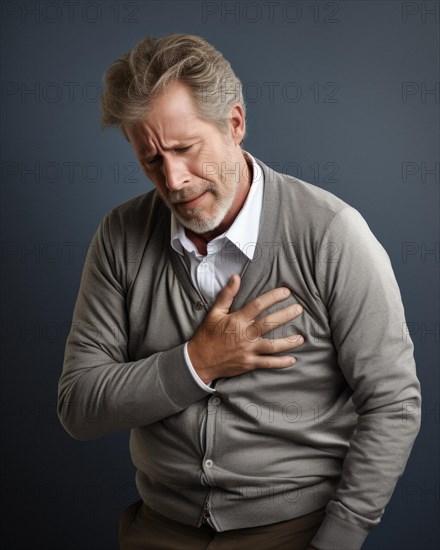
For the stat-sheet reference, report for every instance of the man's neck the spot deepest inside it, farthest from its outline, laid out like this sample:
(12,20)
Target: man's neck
(201,240)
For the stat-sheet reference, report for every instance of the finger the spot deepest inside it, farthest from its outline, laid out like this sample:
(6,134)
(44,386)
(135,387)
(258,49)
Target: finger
(265,346)
(254,308)
(274,320)
(271,362)
(226,296)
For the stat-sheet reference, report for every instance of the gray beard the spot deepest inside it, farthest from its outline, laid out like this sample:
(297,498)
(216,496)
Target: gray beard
(203,226)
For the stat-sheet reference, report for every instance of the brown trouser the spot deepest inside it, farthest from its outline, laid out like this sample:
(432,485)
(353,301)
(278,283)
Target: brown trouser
(141,528)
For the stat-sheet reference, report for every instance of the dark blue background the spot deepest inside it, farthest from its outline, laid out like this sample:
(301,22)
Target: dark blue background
(362,128)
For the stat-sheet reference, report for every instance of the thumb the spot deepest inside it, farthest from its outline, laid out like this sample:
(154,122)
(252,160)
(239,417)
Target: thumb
(226,296)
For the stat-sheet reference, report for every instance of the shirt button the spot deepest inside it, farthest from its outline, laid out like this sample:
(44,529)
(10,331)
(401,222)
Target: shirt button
(215,400)
(199,305)
(209,463)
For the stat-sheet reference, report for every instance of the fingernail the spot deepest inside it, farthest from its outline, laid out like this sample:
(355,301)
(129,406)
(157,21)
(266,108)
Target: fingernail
(298,308)
(286,292)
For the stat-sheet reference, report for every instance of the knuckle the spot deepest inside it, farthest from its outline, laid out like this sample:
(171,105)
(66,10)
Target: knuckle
(275,296)
(289,313)
(268,346)
(247,363)
(258,304)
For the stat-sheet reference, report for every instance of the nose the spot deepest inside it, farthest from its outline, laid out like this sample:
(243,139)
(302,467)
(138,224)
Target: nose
(175,172)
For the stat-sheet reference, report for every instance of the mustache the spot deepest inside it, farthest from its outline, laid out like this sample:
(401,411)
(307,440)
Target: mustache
(187,194)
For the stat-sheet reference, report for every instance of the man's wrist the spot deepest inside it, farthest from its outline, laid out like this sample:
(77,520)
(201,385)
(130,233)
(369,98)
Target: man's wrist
(203,383)
(190,355)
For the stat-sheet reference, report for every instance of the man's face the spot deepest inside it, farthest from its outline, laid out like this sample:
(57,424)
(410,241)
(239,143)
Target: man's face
(192,164)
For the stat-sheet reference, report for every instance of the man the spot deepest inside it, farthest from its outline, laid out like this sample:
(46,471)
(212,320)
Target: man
(246,327)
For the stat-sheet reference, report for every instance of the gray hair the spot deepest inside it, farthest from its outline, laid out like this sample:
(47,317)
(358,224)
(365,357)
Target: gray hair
(132,81)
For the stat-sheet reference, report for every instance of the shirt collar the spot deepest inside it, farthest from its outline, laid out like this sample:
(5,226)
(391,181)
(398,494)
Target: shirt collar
(244,229)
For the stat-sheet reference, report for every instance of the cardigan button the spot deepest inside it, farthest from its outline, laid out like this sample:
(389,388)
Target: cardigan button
(199,305)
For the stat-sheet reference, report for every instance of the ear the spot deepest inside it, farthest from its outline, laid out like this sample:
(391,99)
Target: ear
(237,124)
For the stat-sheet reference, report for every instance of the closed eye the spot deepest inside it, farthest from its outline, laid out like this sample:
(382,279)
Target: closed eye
(179,150)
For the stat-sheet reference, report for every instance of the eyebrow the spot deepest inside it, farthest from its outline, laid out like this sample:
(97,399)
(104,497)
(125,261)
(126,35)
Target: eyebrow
(175,146)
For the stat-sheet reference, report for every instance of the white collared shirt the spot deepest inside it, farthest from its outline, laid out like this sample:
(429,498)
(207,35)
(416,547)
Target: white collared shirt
(226,254)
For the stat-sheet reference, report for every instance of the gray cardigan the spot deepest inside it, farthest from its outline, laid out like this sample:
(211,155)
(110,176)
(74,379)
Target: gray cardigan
(333,430)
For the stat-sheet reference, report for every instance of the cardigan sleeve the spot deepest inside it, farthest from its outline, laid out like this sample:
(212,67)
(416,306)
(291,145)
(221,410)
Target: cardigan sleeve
(358,286)
(100,391)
